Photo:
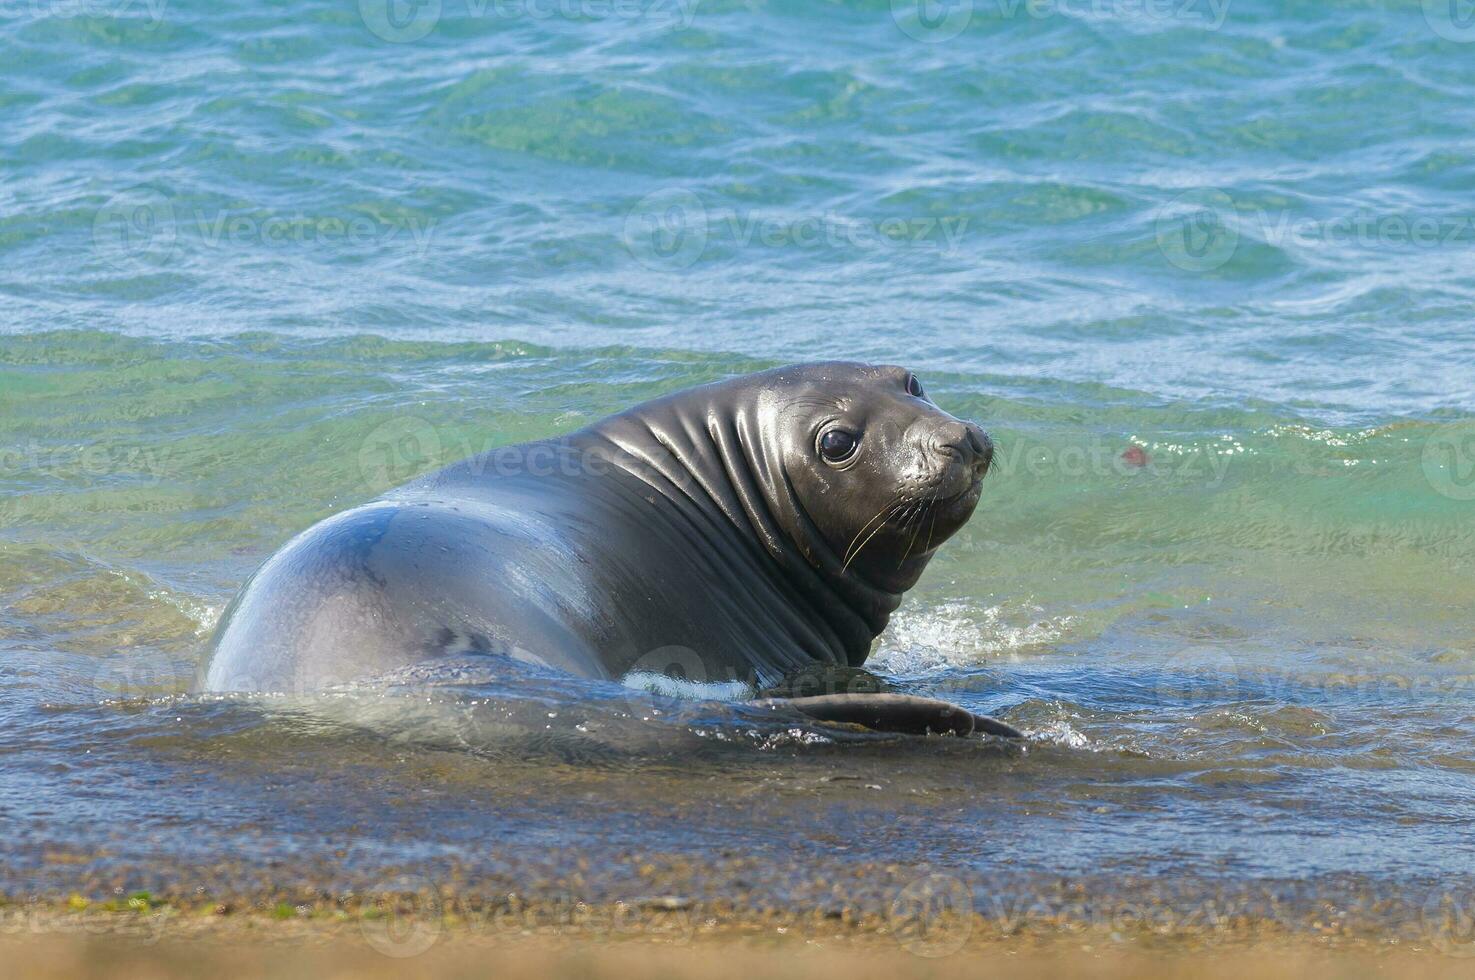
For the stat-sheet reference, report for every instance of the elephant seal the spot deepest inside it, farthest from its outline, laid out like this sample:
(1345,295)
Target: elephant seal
(738,531)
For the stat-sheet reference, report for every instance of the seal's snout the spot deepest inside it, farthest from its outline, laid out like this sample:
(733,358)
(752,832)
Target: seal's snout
(969,445)
(983,449)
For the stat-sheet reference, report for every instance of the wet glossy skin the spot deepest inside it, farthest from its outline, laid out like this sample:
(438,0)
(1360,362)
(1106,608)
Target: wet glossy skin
(736,531)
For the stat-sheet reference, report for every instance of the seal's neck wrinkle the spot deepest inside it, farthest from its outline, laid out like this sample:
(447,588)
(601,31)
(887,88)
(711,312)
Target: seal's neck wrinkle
(715,457)
(819,567)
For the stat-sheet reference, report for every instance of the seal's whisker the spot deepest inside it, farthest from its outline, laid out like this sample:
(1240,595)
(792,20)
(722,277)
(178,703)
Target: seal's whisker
(879,515)
(913,513)
(920,516)
(885,515)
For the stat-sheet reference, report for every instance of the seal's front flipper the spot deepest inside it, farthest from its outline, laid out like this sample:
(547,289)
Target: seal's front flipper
(895,713)
(989,725)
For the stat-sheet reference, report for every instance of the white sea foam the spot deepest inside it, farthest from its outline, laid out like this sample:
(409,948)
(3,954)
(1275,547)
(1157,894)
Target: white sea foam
(956,633)
(675,687)
(1061,733)
(203,614)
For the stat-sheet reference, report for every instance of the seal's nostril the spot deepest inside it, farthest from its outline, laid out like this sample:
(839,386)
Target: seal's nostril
(969,445)
(983,449)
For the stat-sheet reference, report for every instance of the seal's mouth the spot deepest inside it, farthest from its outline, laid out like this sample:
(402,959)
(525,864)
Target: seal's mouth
(974,490)
(969,473)
(969,461)
(924,515)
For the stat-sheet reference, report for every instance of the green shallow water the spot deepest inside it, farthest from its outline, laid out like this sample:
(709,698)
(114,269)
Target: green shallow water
(1247,642)
(1204,275)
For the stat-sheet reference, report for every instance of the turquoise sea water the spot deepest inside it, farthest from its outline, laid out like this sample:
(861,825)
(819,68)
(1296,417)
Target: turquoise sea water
(260,262)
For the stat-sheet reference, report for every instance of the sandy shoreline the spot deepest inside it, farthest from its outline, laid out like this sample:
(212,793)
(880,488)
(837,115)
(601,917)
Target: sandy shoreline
(925,937)
(68,942)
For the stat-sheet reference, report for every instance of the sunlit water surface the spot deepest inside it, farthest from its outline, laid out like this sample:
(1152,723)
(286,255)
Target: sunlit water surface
(259,265)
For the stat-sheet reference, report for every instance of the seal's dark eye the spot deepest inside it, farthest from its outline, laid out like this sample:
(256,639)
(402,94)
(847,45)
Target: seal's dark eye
(914,387)
(837,445)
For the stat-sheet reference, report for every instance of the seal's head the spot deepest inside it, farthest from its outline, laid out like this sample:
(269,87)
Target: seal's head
(847,475)
(884,475)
